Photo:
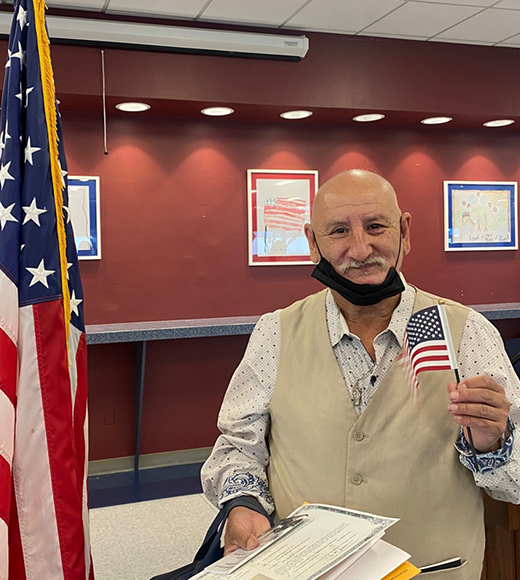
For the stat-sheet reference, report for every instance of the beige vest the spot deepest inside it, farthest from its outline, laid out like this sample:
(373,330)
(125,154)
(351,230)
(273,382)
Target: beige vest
(396,459)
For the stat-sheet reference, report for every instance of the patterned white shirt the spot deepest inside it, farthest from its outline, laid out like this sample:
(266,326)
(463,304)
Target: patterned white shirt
(238,463)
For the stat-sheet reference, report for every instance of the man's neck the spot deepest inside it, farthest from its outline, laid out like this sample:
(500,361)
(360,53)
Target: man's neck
(376,316)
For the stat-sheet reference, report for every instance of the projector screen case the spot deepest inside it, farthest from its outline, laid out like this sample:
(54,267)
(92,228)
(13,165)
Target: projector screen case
(104,33)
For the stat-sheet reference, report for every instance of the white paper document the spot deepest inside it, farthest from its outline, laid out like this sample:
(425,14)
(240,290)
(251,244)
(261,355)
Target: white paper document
(374,564)
(326,537)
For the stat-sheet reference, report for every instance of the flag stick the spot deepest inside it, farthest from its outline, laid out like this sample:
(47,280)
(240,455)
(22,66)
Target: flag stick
(454,365)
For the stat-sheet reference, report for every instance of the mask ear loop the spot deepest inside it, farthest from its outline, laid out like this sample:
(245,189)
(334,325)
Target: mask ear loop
(316,242)
(400,240)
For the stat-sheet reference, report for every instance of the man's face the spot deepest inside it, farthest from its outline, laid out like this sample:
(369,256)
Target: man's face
(358,231)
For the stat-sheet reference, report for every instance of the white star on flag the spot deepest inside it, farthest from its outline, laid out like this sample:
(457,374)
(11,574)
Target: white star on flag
(8,63)
(4,135)
(32,213)
(30,150)
(27,92)
(5,215)
(74,303)
(40,274)
(4,174)
(22,17)
(69,264)
(67,210)
(63,173)
(20,55)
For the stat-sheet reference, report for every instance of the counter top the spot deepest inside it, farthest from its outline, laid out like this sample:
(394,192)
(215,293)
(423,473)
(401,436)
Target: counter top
(237,325)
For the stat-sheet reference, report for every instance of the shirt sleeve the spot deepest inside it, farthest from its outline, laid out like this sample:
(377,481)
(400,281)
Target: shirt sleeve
(237,465)
(486,461)
(482,352)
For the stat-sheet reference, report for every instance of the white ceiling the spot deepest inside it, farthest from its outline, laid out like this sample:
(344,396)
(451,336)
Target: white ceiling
(489,22)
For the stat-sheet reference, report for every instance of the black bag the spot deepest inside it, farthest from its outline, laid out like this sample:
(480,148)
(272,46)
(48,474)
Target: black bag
(210,550)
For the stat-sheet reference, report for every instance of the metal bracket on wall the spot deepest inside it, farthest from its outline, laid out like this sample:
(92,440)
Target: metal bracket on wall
(139,368)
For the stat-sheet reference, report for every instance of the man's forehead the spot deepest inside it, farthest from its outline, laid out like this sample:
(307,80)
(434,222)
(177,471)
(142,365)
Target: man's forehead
(341,202)
(335,206)
(363,193)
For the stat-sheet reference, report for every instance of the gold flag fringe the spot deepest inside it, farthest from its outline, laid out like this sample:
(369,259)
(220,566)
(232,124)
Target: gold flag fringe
(49,102)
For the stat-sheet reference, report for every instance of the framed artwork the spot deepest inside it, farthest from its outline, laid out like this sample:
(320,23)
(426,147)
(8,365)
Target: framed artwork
(480,215)
(84,214)
(279,204)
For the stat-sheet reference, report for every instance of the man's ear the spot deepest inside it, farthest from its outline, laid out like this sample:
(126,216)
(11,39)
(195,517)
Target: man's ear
(406,222)
(315,255)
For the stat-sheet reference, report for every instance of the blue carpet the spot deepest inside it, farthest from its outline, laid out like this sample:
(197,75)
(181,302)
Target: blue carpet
(146,484)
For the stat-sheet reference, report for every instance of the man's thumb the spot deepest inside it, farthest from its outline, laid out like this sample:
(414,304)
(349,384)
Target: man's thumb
(252,543)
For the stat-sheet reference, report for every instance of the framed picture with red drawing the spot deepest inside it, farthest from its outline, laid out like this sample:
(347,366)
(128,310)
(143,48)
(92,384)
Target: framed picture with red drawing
(279,204)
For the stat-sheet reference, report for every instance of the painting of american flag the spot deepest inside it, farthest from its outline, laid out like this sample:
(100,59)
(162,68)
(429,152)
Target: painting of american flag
(279,205)
(425,347)
(285,214)
(44,529)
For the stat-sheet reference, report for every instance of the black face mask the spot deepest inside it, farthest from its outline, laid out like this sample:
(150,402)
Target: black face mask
(359,294)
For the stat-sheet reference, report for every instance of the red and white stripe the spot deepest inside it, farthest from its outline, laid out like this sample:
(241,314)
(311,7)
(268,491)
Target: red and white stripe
(44,530)
(288,214)
(8,371)
(429,356)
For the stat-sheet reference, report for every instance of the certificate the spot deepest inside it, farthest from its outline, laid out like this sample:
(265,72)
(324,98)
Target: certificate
(320,542)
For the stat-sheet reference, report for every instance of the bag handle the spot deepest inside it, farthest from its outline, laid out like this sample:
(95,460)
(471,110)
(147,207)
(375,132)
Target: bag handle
(210,550)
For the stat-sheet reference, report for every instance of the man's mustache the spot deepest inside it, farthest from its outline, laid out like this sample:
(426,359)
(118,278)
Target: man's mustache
(346,266)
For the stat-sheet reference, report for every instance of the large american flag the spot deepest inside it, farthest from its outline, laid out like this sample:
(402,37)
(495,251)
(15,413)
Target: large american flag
(43,399)
(425,347)
(285,214)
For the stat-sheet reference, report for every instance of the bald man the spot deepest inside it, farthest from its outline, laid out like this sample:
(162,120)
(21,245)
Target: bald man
(320,408)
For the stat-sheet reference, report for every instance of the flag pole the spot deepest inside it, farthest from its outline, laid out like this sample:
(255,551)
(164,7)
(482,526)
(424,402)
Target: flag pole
(455,366)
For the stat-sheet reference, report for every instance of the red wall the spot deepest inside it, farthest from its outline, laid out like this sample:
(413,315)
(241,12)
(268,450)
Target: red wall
(174,210)
(184,386)
(173,218)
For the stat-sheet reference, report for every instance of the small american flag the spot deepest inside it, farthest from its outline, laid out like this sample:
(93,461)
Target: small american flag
(425,345)
(285,214)
(44,531)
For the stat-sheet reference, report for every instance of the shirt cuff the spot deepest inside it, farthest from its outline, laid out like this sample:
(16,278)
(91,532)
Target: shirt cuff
(247,484)
(486,461)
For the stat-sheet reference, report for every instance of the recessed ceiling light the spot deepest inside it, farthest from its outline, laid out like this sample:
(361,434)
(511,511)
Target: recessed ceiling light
(368,118)
(436,120)
(296,114)
(499,123)
(132,107)
(217,111)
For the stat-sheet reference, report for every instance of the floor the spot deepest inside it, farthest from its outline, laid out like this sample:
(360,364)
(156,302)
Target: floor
(146,525)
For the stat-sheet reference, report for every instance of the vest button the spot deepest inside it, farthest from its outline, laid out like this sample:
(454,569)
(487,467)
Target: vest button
(359,436)
(356,479)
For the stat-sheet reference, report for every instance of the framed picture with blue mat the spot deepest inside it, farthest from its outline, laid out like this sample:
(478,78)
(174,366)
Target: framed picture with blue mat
(480,215)
(84,213)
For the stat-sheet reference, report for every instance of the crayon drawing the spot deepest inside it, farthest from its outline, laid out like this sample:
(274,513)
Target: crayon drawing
(279,206)
(480,216)
(83,209)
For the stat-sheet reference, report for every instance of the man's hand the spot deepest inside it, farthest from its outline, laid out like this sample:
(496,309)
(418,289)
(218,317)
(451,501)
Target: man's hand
(481,404)
(243,528)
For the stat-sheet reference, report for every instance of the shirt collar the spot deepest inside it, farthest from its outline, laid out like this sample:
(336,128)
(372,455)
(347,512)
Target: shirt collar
(338,327)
